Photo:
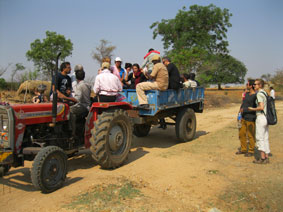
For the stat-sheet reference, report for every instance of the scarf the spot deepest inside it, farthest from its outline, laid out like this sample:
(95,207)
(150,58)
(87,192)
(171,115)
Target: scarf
(137,77)
(153,51)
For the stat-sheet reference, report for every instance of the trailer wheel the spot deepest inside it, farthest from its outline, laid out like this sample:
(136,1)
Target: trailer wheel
(185,125)
(111,138)
(4,169)
(141,130)
(49,169)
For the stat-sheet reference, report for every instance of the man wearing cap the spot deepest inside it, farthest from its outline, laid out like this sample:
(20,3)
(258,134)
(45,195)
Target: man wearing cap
(106,85)
(147,64)
(159,75)
(117,69)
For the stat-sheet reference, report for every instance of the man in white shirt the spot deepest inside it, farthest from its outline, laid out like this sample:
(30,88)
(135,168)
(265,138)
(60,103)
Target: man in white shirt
(189,81)
(106,85)
(272,92)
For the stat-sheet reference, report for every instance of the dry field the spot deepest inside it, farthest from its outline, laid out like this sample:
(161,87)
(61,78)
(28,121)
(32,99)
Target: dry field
(164,175)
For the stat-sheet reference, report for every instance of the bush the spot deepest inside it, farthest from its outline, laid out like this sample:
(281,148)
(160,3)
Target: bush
(13,86)
(3,84)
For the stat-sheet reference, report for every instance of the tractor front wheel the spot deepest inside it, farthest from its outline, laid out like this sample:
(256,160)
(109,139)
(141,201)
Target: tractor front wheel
(49,169)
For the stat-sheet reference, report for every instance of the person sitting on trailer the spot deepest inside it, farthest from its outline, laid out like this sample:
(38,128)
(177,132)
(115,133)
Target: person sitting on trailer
(106,85)
(159,75)
(147,64)
(174,75)
(135,77)
(188,81)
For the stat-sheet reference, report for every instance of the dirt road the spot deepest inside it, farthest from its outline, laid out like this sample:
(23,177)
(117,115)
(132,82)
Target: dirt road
(167,175)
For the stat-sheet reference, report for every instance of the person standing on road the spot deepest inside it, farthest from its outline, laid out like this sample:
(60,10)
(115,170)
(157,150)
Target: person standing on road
(262,140)
(272,92)
(248,121)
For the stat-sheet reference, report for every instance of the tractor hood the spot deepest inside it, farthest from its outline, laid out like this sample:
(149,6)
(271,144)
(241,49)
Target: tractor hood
(40,113)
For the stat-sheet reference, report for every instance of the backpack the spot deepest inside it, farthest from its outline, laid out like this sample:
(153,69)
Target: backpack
(270,110)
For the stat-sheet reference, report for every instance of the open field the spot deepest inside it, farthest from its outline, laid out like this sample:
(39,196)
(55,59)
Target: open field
(164,175)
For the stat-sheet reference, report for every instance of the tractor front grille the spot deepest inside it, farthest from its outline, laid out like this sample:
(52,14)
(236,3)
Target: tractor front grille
(4,128)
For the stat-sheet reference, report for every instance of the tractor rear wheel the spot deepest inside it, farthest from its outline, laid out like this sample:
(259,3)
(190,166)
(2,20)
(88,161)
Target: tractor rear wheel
(111,138)
(141,130)
(49,169)
(185,125)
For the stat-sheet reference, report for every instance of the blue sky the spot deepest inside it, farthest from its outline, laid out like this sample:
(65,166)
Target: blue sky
(255,38)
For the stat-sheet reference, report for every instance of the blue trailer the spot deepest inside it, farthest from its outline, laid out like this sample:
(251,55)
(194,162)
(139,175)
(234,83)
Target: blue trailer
(178,105)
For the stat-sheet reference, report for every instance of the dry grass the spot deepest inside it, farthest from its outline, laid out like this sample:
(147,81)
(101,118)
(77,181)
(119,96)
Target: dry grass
(220,98)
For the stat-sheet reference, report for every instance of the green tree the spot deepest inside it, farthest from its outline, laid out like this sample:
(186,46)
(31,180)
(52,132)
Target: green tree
(43,53)
(196,41)
(188,59)
(203,27)
(222,69)
(103,50)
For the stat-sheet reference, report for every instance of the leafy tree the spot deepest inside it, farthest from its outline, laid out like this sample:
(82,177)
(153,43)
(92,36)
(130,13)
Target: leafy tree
(196,41)
(103,50)
(43,53)
(203,27)
(222,69)
(188,59)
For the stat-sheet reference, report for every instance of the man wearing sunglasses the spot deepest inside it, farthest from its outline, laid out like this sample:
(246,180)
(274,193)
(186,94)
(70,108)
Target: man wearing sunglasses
(262,134)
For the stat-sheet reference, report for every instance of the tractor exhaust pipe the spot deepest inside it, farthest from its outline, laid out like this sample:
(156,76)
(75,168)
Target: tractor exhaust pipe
(54,91)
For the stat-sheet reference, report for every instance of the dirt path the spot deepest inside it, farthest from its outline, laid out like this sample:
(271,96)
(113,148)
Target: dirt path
(193,176)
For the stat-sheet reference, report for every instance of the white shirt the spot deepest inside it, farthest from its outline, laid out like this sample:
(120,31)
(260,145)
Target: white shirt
(107,84)
(272,93)
(190,84)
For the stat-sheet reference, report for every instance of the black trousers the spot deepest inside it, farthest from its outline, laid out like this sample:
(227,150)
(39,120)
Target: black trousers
(103,98)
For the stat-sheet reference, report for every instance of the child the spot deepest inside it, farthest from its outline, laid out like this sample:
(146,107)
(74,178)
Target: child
(40,97)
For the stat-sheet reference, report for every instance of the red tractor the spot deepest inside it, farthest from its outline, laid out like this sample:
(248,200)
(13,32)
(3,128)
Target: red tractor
(28,133)
(42,133)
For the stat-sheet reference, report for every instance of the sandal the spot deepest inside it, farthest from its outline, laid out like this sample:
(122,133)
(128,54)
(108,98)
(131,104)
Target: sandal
(240,153)
(261,161)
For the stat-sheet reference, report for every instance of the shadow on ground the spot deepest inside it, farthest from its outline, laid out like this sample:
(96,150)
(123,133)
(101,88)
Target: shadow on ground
(20,178)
